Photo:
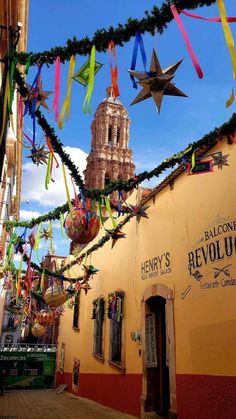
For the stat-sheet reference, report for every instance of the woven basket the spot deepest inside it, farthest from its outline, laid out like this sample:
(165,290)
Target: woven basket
(45,318)
(54,296)
(37,329)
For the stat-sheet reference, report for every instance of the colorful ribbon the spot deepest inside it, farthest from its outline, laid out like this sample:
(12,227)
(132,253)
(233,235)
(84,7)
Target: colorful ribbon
(67,191)
(113,70)
(187,42)
(4,110)
(37,240)
(57,84)
(138,42)
(87,99)
(208,19)
(49,170)
(66,105)
(108,207)
(230,100)
(229,41)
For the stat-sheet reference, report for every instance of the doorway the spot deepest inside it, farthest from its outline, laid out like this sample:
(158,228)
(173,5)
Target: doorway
(159,386)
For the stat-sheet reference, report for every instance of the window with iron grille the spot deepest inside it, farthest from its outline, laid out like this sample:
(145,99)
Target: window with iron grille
(76,311)
(98,317)
(115,314)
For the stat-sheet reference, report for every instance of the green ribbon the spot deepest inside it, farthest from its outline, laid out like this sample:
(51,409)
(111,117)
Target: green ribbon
(62,226)
(108,207)
(11,83)
(10,245)
(37,240)
(48,173)
(87,99)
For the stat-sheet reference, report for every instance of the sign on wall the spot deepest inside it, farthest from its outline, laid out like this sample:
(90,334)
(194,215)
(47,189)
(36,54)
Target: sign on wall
(150,341)
(156,266)
(211,259)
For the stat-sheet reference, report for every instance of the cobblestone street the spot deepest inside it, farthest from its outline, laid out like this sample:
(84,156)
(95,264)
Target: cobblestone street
(46,404)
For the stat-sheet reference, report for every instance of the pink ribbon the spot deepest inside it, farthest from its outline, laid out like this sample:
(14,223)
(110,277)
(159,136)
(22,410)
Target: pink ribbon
(57,83)
(209,19)
(187,42)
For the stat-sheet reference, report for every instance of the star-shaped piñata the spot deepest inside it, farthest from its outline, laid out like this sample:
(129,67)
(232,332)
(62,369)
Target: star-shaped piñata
(45,234)
(86,287)
(219,160)
(39,94)
(90,269)
(157,82)
(38,155)
(116,235)
(139,211)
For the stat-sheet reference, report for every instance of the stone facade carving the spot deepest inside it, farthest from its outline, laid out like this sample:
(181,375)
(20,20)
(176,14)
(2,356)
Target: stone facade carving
(109,158)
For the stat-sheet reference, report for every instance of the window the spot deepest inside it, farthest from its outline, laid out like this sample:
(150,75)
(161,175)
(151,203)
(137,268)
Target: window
(98,317)
(76,311)
(107,180)
(118,136)
(115,314)
(110,135)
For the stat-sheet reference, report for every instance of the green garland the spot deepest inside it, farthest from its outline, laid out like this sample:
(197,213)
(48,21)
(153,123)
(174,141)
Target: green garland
(98,245)
(208,141)
(155,20)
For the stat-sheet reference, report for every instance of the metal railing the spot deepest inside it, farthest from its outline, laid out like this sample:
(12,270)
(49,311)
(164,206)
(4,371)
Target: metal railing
(28,347)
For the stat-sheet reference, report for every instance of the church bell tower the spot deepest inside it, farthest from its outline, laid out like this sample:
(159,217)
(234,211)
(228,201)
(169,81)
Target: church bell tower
(110,157)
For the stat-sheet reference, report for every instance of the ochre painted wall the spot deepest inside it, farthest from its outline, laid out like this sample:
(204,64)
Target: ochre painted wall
(181,221)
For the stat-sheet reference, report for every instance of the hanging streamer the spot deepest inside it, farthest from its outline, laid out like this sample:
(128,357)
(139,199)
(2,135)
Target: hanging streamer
(37,240)
(193,161)
(229,41)
(67,191)
(113,70)
(4,110)
(51,151)
(138,42)
(76,199)
(11,84)
(49,170)
(86,103)
(230,100)
(19,279)
(42,281)
(187,42)
(62,220)
(108,207)
(208,19)
(57,83)
(66,105)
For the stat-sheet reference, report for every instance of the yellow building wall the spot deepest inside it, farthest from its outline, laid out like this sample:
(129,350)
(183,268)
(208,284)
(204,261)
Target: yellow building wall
(205,332)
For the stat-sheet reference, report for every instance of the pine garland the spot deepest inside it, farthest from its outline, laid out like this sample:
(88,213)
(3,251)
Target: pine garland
(209,140)
(155,20)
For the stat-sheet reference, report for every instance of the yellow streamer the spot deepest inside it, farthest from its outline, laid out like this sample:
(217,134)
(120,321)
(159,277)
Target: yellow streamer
(67,191)
(5,104)
(228,34)
(42,281)
(230,100)
(108,206)
(193,161)
(66,105)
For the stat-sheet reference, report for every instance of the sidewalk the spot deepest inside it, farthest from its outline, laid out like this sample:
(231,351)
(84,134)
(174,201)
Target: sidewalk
(46,404)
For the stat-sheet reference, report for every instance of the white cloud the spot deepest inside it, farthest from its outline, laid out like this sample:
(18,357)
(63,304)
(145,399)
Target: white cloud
(17,257)
(33,181)
(27,215)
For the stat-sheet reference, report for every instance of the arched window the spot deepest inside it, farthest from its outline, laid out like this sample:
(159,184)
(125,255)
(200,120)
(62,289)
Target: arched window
(118,136)
(107,180)
(110,135)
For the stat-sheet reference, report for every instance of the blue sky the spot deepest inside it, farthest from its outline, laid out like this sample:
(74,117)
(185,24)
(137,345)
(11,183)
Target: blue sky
(153,137)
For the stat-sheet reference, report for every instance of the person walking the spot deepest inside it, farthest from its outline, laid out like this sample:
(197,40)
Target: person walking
(2,381)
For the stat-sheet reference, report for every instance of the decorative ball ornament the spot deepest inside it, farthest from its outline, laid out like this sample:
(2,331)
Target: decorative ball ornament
(83,226)
(54,296)
(37,329)
(45,318)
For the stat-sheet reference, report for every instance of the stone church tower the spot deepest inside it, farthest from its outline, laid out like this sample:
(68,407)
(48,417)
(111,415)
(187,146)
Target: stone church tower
(109,158)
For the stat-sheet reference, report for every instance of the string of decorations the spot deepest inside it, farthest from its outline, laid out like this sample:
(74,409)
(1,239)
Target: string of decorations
(50,132)
(209,140)
(114,234)
(155,20)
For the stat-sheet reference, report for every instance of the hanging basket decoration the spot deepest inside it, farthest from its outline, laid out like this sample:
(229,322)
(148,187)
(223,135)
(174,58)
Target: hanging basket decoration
(83,225)
(98,309)
(45,318)
(115,305)
(55,296)
(38,329)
